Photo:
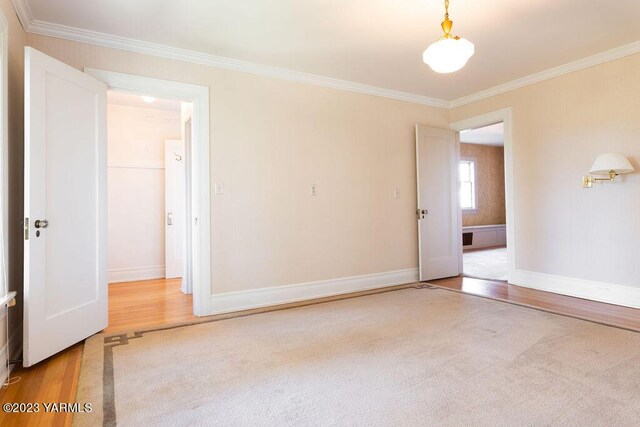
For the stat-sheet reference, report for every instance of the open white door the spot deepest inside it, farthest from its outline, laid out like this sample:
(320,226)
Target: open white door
(65,248)
(438,213)
(175,207)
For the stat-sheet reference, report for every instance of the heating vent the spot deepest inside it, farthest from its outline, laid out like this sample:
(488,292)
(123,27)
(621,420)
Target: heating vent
(5,302)
(467,239)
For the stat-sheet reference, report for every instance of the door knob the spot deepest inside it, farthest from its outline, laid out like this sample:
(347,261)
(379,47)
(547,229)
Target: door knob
(41,223)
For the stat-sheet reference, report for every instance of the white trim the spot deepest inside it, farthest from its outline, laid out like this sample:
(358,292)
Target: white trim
(136,164)
(551,73)
(118,275)
(494,117)
(24,13)
(36,26)
(200,198)
(264,297)
(597,291)
(50,29)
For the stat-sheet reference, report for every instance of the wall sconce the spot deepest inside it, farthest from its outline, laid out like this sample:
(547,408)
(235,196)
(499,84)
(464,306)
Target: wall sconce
(612,164)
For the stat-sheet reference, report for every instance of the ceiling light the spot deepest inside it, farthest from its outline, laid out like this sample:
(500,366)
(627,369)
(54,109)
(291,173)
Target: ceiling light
(149,99)
(450,53)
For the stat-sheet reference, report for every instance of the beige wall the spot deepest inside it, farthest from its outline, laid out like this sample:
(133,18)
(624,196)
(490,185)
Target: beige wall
(270,139)
(136,190)
(489,166)
(559,127)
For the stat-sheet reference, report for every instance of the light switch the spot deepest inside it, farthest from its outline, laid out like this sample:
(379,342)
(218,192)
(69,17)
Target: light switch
(313,190)
(396,193)
(219,189)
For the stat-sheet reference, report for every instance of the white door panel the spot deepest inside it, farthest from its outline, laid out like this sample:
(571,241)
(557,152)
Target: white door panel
(438,213)
(175,207)
(65,184)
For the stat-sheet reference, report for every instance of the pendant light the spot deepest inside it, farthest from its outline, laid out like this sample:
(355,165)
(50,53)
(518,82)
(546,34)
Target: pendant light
(450,53)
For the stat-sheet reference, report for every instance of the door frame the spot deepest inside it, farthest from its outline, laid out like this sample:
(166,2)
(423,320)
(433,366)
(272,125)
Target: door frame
(199,198)
(4,156)
(505,116)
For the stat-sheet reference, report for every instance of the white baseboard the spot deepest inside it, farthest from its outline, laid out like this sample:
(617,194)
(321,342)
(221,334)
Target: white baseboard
(132,274)
(264,297)
(597,291)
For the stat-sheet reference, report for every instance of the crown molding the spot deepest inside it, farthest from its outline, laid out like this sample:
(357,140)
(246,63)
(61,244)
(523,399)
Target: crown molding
(35,26)
(24,13)
(581,64)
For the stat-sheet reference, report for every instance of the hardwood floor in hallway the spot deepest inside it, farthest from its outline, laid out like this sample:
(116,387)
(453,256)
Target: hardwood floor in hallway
(147,303)
(131,305)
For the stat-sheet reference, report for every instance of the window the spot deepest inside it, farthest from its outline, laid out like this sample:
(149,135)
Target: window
(468,185)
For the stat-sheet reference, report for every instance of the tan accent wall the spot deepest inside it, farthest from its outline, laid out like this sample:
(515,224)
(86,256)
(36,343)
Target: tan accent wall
(559,127)
(270,140)
(489,165)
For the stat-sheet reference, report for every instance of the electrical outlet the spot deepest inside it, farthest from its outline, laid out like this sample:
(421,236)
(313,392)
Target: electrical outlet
(313,190)
(219,188)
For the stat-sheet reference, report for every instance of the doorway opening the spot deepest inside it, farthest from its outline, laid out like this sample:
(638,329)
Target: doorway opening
(481,169)
(147,267)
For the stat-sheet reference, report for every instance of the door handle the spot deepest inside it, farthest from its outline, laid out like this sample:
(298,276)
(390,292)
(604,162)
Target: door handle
(41,223)
(170,218)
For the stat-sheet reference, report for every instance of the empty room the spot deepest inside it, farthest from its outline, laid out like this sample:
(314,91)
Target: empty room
(319,212)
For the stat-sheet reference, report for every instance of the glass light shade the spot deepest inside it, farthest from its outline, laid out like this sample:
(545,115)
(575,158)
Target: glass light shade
(448,54)
(611,162)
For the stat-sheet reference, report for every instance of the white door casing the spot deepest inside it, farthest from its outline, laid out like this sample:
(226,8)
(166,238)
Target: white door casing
(198,157)
(175,204)
(65,284)
(505,116)
(187,271)
(438,206)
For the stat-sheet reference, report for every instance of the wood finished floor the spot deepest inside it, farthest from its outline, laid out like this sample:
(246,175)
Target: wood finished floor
(610,314)
(160,302)
(147,303)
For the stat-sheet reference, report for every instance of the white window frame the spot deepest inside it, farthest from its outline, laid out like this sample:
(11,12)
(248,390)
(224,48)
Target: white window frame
(473,160)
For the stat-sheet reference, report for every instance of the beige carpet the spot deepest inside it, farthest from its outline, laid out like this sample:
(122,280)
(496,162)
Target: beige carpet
(406,357)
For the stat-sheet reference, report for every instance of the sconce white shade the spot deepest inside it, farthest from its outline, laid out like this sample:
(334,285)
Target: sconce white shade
(611,162)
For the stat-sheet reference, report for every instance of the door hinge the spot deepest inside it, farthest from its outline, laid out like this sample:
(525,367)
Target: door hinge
(26,229)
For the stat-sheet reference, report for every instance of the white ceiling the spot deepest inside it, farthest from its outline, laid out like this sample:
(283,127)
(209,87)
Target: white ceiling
(372,42)
(129,100)
(488,135)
